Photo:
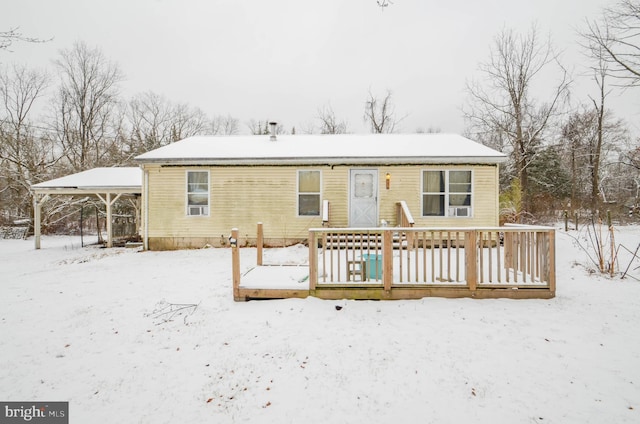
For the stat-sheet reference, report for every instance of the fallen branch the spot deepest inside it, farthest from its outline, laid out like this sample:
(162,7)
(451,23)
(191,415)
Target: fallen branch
(166,312)
(634,256)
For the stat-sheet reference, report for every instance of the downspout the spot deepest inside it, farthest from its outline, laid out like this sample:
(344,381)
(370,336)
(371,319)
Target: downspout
(145,184)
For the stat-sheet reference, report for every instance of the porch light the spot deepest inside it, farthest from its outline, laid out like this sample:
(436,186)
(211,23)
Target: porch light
(388,180)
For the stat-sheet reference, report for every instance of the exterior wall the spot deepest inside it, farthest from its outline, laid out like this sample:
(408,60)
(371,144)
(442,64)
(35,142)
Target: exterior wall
(241,197)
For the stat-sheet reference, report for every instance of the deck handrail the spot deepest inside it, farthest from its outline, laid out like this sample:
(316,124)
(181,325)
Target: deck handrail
(470,257)
(404,217)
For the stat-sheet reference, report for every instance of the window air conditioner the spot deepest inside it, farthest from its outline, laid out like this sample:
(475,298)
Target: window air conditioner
(197,210)
(463,211)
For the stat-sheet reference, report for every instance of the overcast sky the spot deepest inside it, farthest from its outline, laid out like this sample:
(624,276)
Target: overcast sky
(283,59)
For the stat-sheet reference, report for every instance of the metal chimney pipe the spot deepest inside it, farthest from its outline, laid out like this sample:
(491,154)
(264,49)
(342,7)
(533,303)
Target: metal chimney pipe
(272,131)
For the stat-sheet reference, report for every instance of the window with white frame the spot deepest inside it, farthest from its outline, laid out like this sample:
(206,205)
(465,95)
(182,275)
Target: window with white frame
(309,193)
(446,193)
(198,193)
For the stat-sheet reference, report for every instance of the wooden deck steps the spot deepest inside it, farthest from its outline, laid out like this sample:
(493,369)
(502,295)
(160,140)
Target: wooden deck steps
(364,241)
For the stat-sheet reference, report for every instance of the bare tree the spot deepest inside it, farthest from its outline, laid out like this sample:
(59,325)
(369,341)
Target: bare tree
(381,114)
(429,130)
(149,117)
(7,38)
(26,155)
(329,124)
(615,39)
(600,72)
(592,143)
(225,125)
(85,106)
(258,127)
(502,107)
(382,4)
(262,127)
(155,121)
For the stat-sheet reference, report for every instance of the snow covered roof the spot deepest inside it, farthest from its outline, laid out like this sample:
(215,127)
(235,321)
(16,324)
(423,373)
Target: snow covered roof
(365,149)
(100,180)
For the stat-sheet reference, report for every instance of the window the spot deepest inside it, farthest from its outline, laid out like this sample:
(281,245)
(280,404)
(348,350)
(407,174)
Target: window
(309,193)
(446,193)
(198,193)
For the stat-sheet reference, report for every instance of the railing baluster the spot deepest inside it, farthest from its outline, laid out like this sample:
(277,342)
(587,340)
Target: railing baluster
(416,247)
(448,256)
(480,256)
(490,250)
(440,252)
(498,254)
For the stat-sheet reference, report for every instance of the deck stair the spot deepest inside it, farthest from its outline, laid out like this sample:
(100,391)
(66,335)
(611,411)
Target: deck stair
(366,241)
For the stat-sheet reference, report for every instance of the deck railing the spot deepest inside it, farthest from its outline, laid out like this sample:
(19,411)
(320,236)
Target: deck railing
(404,217)
(510,256)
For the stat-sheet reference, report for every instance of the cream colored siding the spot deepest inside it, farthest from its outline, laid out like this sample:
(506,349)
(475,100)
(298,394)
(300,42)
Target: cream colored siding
(243,196)
(336,191)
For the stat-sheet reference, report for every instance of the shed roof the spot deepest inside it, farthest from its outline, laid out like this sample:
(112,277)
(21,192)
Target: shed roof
(366,149)
(97,180)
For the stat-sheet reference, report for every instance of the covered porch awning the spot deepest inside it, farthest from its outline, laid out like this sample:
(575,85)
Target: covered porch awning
(108,184)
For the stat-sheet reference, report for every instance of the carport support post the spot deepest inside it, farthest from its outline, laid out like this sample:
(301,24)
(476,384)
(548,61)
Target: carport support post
(109,226)
(108,202)
(37,208)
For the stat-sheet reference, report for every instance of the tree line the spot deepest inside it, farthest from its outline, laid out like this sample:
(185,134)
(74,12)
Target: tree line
(562,154)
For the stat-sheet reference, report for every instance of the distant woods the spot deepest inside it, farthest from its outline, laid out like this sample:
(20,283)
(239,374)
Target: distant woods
(564,152)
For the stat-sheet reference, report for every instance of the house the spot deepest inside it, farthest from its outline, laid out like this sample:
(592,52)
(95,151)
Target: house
(197,189)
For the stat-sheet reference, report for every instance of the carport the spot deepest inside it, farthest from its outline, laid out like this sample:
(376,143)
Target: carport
(108,184)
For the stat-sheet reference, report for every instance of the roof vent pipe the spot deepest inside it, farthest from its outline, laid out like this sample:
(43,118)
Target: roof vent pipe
(272,130)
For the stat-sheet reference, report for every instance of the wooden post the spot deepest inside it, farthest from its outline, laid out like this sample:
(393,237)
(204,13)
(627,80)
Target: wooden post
(552,262)
(235,264)
(259,243)
(37,217)
(470,253)
(387,259)
(612,244)
(566,220)
(313,261)
(109,224)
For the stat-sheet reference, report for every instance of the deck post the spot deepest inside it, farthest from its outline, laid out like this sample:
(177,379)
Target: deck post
(552,261)
(387,259)
(313,261)
(259,244)
(470,253)
(235,264)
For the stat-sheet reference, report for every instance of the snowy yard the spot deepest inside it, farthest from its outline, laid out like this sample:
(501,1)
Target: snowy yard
(84,325)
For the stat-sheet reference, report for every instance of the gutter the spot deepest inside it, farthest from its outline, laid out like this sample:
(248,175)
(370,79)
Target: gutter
(370,161)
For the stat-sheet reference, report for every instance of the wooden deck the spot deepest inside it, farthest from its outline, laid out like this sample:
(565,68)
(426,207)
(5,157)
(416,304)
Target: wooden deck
(515,262)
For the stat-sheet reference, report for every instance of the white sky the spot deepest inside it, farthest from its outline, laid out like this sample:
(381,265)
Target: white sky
(283,59)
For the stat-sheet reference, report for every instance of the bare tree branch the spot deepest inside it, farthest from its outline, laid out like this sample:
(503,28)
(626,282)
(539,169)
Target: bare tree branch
(615,39)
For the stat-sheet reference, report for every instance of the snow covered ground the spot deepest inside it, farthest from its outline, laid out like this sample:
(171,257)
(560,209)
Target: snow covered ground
(85,325)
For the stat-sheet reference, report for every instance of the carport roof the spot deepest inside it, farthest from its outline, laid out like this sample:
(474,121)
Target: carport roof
(125,180)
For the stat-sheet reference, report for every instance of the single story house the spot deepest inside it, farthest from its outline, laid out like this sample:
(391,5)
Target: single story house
(195,190)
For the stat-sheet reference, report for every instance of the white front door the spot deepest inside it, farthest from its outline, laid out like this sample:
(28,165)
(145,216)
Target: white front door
(363,211)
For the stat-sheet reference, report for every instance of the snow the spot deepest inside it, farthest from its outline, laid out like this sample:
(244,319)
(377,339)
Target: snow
(365,148)
(127,177)
(85,325)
